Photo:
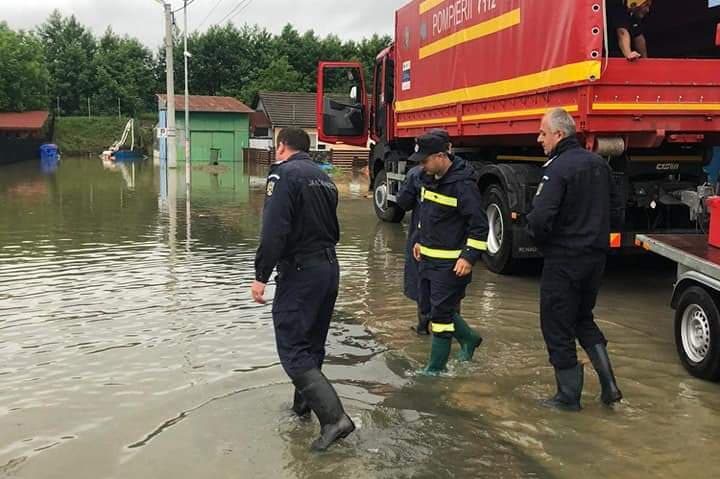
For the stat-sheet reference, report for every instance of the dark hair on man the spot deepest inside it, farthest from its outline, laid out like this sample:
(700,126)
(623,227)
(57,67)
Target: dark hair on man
(295,139)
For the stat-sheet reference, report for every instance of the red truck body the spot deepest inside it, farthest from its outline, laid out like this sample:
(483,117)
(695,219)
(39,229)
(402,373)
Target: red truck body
(487,70)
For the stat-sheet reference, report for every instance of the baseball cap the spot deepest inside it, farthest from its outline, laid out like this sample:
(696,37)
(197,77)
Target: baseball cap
(637,3)
(429,144)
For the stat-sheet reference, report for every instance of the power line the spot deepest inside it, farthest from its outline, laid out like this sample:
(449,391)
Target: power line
(190,2)
(234,11)
(242,9)
(209,14)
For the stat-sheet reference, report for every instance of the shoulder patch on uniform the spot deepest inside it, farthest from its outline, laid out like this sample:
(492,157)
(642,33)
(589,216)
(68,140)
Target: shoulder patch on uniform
(271,180)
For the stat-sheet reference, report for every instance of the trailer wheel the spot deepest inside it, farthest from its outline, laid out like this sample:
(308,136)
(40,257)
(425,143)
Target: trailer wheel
(697,333)
(384,209)
(498,257)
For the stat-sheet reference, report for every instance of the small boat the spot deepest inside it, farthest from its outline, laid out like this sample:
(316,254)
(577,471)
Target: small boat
(119,151)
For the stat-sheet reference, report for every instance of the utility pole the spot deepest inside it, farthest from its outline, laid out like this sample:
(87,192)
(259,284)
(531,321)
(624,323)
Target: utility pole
(170,78)
(186,55)
(118,108)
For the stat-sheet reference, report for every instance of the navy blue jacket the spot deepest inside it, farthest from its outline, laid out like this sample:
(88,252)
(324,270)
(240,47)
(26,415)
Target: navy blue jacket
(452,220)
(300,214)
(408,198)
(576,203)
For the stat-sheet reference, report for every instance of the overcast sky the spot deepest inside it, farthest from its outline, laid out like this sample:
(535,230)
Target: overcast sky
(349,19)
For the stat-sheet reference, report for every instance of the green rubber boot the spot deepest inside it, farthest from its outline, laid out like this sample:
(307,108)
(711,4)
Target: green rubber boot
(439,355)
(468,338)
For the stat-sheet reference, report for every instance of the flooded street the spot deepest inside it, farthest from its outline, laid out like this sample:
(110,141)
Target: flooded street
(130,348)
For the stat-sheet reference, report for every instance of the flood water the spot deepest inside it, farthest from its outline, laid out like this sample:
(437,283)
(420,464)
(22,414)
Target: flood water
(130,348)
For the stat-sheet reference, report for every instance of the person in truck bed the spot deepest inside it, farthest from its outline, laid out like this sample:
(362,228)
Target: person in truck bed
(626,34)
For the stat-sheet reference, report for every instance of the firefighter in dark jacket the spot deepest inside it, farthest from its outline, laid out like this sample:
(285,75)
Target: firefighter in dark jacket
(452,237)
(408,198)
(299,233)
(575,205)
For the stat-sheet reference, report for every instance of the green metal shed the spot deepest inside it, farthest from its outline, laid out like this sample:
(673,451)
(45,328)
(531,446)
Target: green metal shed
(217,123)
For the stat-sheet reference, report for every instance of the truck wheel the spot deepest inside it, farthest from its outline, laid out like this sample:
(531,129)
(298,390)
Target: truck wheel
(498,257)
(697,333)
(384,209)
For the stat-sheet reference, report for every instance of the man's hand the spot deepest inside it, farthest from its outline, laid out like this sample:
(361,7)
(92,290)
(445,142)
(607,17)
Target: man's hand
(462,268)
(258,292)
(634,56)
(416,252)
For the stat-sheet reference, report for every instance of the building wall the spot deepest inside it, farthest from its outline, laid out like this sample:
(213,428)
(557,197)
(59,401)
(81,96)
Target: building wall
(229,132)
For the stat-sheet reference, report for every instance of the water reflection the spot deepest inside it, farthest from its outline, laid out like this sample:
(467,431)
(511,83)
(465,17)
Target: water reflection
(129,347)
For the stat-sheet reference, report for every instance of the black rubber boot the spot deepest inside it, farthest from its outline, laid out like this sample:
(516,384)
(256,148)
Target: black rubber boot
(423,325)
(324,401)
(569,389)
(601,362)
(300,405)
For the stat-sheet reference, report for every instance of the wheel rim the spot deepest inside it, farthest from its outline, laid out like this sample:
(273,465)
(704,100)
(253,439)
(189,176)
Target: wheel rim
(381,197)
(695,331)
(496,228)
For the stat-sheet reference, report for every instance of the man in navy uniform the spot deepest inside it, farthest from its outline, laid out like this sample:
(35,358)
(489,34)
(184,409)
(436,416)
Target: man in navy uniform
(408,198)
(575,205)
(299,233)
(452,236)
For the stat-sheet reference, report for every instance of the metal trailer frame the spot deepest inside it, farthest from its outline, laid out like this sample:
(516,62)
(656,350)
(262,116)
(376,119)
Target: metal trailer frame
(696,299)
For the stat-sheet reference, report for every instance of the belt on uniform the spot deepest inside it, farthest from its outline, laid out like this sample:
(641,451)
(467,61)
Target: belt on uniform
(298,262)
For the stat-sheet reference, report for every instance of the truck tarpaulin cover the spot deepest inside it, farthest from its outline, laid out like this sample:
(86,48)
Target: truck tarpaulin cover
(467,51)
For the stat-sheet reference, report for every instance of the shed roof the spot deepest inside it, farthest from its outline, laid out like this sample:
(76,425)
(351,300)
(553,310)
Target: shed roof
(29,120)
(208,104)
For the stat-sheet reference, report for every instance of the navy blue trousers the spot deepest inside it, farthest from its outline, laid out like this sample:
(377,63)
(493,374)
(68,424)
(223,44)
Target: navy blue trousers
(441,292)
(568,292)
(302,309)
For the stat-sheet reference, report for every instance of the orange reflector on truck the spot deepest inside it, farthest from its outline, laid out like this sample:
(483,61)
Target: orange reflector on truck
(615,240)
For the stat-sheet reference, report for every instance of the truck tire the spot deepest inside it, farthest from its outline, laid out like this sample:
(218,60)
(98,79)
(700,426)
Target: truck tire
(697,333)
(385,210)
(498,257)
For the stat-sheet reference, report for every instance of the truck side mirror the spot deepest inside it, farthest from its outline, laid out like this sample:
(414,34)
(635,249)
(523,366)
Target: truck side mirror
(354,94)
(717,35)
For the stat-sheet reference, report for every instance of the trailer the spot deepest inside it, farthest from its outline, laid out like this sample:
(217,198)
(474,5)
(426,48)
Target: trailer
(695,299)
(487,70)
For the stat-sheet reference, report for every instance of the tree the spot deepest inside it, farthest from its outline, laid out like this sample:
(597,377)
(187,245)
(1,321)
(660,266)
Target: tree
(125,71)
(23,76)
(69,52)
(278,76)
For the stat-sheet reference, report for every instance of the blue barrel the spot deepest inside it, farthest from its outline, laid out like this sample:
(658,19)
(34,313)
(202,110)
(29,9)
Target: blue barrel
(49,152)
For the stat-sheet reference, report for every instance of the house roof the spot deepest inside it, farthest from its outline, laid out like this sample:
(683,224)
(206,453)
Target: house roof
(208,104)
(289,109)
(259,119)
(30,120)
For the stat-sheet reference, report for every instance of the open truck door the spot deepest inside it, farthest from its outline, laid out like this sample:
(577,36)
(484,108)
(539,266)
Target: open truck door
(342,104)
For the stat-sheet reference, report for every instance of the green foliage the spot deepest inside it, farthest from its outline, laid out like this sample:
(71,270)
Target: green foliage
(82,136)
(23,75)
(226,60)
(70,53)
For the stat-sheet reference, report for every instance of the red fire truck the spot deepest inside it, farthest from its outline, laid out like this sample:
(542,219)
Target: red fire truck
(487,70)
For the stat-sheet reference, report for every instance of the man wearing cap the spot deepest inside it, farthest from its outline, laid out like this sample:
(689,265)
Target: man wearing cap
(299,233)
(626,34)
(452,236)
(408,198)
